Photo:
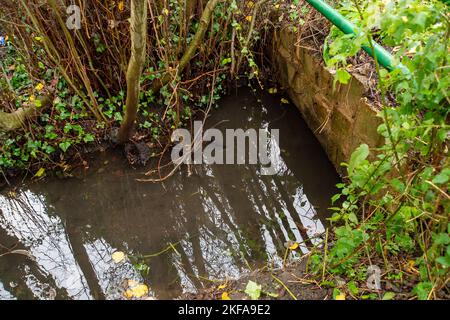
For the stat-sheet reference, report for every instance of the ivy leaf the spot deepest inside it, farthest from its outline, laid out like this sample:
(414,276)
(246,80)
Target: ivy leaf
(353,287)
(343,76)
(358,156)
(388,296)
(253,290)
(442,177)
(445,261)
(64,145)
(226,61)
(353,218)
(422,290)
(88,138)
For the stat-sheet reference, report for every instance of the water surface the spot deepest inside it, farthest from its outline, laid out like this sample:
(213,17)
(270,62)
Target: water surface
(222,219)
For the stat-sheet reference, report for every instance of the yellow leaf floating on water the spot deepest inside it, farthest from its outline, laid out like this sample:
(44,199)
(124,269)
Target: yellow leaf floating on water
(340,296)
(121,6)
(284,101)
(294,246)
(225,296)
(128,294)
(11,194)
(118,256)
(132,283)
(39,87)
(137,291)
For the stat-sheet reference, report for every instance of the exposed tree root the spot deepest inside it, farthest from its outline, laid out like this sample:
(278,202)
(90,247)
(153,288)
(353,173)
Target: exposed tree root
(15,120)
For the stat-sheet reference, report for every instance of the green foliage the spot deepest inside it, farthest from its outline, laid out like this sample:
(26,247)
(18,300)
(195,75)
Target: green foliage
(55,132)
(253,290)
(398,201)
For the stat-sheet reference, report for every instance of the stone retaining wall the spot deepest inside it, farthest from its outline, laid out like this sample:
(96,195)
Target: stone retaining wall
(341,119)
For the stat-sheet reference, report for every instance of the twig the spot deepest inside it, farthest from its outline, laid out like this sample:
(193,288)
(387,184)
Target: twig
(285,287)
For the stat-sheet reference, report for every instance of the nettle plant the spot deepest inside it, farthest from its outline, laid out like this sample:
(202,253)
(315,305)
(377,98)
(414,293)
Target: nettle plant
(396,198)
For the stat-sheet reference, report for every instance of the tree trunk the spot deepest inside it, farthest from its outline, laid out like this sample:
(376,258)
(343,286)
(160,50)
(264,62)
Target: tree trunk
(195,43)
(138,30)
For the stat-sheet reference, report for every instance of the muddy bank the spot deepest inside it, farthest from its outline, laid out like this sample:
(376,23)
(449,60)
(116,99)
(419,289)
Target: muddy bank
(288,283)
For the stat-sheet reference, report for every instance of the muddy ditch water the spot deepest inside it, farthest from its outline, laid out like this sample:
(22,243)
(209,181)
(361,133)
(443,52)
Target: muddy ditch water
(222,220)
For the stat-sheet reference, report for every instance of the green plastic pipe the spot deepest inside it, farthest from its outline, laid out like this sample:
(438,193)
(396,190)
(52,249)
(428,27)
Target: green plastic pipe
(382,56)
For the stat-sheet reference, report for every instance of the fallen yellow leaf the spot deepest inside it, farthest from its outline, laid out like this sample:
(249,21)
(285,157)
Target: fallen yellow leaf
(273,90)
(40,173)
(137,291)
(128,294)
(409,267)
(118,256)
(222,286)
(121,6)
(248,18)
(165,11)
(250,4)
(284,101)
(225,296)
(12,194)
(340,296)
(294,246)
(140,290)
(39,87)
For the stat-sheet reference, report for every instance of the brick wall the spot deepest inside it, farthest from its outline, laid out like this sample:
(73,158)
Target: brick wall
(341,119)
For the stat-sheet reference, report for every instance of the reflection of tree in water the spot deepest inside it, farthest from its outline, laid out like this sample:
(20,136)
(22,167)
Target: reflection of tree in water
(223,218)
(217,221)
(24,218)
